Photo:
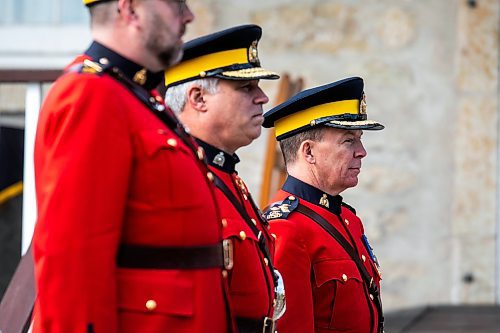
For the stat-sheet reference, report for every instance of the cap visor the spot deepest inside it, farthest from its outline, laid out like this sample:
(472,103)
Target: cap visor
(254,73)
(361,125)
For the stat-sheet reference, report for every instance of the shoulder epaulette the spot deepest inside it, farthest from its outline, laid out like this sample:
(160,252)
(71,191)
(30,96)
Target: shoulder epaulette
(349,207)
(281,209)
(88,67)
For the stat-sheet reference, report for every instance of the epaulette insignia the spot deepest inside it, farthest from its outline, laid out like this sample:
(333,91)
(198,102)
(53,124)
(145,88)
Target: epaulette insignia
(349,207)
(281,209)
(90,67)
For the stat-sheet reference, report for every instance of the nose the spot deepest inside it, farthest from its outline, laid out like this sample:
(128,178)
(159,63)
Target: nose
(360,151)
(261,97)
(187,14)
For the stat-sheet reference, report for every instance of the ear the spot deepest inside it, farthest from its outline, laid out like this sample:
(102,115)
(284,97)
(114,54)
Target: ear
(127,11)
(196,98)
(306,151)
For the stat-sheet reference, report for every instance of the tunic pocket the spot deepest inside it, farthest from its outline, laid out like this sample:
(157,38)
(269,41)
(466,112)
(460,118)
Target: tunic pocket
(155,141)
(155,292)
(340,299)
(166,173)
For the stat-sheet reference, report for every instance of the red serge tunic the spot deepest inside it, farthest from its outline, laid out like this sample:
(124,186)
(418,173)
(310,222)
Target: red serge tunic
(251,279)
(109,172)
(324,288)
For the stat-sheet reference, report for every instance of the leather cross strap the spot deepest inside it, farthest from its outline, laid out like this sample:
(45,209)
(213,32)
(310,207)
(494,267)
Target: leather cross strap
(17,303)
(372,287)
(241,210)
(158,109)
(148,100)
(152,257)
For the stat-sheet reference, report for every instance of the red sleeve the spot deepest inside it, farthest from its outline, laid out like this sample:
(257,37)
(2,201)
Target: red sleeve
(293,262)
(82,165)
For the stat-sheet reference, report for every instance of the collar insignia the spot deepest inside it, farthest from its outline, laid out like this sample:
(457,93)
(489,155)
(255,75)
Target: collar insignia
(324,201)
(219,159)
(140,77)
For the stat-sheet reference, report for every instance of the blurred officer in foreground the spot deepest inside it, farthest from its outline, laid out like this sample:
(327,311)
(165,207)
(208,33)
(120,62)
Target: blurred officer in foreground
(128,237)
(331,274)
(215,90)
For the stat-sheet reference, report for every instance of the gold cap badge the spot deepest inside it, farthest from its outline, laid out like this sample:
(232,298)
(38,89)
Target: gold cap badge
(253,53)
(362,105)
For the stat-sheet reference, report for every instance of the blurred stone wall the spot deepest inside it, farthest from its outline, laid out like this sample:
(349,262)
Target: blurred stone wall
(428,187)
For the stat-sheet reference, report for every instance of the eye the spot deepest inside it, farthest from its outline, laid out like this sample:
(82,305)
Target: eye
(246,87)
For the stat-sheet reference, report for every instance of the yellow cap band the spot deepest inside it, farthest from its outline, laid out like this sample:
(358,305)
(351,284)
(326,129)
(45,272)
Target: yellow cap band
(88,2)
(193,68)
(303,118)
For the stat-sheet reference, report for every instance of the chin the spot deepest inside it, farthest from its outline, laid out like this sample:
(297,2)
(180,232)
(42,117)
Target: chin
(351,183)
(255,136)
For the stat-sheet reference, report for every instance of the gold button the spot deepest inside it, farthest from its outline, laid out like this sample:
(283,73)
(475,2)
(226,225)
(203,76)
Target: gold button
(274,303)
(344,277)
(224,223)
(152,99)
(371,297)
(243,235)
(346,221)
(201,153)
(210,176)
(172,142)
(203,73)
(245,196)
(151,305)
(313,122)
(291,198)
(363,257)
(254,222)
(104,61)
(224,273)
(266,261)
(274,235)
(158,98)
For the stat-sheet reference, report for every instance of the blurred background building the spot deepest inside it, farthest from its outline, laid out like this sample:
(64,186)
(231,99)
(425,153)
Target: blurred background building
(429,187)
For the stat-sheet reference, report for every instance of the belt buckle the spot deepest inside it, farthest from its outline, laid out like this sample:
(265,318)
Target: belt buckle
(269,325)
(227,251)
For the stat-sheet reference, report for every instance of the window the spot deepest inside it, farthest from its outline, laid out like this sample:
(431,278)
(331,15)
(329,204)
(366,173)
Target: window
(43,12)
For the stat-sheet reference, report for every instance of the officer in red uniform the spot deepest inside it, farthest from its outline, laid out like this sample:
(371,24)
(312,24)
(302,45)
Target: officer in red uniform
(215,90)
(331,275)
(128,237)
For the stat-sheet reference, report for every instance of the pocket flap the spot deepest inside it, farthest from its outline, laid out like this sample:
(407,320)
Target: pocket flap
(155,140)
(237,228)
(155,292)
(338,270)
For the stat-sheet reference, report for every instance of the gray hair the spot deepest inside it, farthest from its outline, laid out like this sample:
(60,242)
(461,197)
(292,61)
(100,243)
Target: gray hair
(176,96)
(291,145)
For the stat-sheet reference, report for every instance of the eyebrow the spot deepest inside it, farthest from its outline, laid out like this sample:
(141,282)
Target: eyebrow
(353,132)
